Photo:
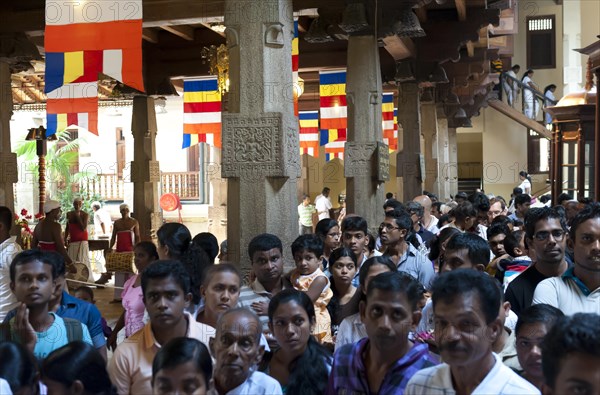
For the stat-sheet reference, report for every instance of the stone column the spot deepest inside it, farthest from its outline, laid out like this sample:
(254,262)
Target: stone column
(217,210)
(409,116)
(8,160)
(260,132)
(453,165)
(443,154)
(430,135)
(145,170)
(362,155)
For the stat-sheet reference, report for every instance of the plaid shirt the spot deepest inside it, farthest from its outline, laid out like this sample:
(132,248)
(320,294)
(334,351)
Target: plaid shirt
(349,373)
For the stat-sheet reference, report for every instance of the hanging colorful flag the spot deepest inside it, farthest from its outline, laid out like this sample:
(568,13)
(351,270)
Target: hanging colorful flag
(394,141)
(387,109)
(201,112)
(72,105)
(334,149)
(295,56)
(332,92)
(309,133)
(83,39)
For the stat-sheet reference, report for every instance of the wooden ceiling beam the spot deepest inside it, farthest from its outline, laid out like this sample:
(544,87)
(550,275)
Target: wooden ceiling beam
(150,35)
(461,9)
(185,32)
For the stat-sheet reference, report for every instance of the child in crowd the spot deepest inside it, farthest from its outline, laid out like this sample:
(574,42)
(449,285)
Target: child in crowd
(309,278)
(509,269)
(86,294)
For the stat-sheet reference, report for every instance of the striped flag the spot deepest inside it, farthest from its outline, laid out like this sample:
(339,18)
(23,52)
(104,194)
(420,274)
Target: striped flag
(394,142)
(389,124)
(334,149)
(201,112)
(332,92)
(72,104)
(309,133)
(295,56)
(83,39)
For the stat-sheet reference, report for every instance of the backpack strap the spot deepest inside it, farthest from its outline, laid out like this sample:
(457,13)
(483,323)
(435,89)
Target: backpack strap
(74,330)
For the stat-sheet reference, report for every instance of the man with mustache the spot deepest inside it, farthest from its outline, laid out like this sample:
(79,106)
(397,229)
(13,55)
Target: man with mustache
(466,305)
(384,361)
(546,235)
(578,289)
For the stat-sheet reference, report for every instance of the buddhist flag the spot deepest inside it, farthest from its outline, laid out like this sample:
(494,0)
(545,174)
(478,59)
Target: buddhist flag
(72,105)
(85,38)
(394,142)
(295,55)
(334,149)
(387,110)
(309,133)
(201,112)
(332,92)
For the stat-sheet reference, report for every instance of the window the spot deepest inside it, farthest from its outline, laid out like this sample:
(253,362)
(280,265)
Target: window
(538,153)
(541,42)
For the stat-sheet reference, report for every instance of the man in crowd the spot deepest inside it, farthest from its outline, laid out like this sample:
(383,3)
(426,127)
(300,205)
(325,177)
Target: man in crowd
(323,204)
(416,212)
(47,234)
(522,203)
(545,233)
(8,250)
(76,235)
(497,207)
(385,360)
(466,305)
(428,221)
(355,236)
(102,228)
(166,290)
(510,85)
(305,212)
(578,289)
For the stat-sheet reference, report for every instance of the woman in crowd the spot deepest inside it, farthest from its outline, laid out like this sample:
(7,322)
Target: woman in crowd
(351,329)
(549,101)
(531,104)
(533,325)
(300,356)
(182,366)
(175,242)
(132,318)
(220,291)
(525,184)
(345,299)
(77,368)
(438,246)
(329,231)
(18,369)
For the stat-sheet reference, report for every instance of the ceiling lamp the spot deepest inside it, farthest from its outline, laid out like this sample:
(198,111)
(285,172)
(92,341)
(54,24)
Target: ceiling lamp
(438,76)
(316,32)
(218,63)
(408,25)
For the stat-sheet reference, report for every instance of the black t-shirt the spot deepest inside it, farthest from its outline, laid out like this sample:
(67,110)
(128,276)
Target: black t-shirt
(520,291)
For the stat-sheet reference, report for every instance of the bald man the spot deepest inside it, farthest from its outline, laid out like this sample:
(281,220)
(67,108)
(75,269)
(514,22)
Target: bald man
(429,221)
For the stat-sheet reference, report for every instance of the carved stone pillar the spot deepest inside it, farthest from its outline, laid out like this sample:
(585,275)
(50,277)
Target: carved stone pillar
(145,170)
(409,159)
(430,135)
(453,165)
(363,151)
(260,132)
(8,160)
(442,188)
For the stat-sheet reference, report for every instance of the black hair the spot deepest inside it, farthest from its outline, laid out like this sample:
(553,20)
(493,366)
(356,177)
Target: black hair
(461,195)
(590,211)
(148,247)
(431,196)
(264,242)
(480,201)
(437,205)
(537,214)
(324,226)
(325,190)
(310,242)
(549,87)
(398,282)
(464,210)
(497,229)
(314,360)
(373,261)
(444,220)
(449,285)
(538,313)
(355,224)
(516,67)
(570,334)
(502,220)
(161,269)
(176,236)
(371,243)
(6,217)
(179,351)
(416,208)
(340,253)
(209,243)
(78,361)
(86,290)
(526,74)
(401,218)
(28,256)
(17,366)
(389,195)
(512,241)
(545,198)
(517,191)
(220,268)
(394,204)
(522,199)
(435,248)
(478,249)
(562,197)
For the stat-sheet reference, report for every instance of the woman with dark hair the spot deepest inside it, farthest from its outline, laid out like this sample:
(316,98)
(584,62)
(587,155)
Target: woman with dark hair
(301,364)
(345,299)
(530,100)
(329,231)
(175,242)
(182,366)
(525,184)
(132,318)
(18,368)
(549,101)
(438,246)
(77,368)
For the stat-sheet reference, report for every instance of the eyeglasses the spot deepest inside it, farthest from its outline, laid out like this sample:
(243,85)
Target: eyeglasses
(557,234)
(387,227)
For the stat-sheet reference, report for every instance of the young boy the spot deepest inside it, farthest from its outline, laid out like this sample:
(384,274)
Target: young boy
(33,281)
(509,269)
(86,294)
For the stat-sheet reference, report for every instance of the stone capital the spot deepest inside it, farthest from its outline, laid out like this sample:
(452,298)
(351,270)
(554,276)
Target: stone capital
(8,167)
(359,159)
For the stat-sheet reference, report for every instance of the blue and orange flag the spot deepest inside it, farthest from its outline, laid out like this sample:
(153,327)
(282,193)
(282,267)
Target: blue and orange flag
(309,133)
(201,112)
(295,59)
(72,105)
(334,122)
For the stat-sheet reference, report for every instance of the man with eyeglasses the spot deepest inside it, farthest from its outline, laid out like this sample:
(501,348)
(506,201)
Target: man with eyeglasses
(578,289)
(393,232)
(545,233)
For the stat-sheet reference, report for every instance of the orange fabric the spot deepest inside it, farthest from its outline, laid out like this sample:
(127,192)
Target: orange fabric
(93,36)
(77,234)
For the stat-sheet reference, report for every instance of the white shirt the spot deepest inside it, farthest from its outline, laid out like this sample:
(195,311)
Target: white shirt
(257,383)
(101,216)
(8,301)
(525,186)
(501,380)
(323,205)
(350,331)
(565,295)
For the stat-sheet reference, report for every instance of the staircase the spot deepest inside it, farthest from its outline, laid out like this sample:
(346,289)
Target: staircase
(519,117)
(468,185)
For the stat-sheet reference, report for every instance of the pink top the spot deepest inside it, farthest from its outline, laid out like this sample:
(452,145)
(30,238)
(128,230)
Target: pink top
(133,304)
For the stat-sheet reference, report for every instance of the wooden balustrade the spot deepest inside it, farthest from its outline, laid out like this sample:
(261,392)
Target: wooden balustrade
(185,184)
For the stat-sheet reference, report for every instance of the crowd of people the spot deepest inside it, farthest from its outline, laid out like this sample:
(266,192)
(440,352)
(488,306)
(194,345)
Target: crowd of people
(477,295)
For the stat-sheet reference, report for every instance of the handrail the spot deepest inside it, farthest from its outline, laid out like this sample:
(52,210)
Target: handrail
(521,85)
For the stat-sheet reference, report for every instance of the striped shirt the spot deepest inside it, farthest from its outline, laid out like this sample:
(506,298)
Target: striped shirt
(305,214)
(255,292)
(349,373)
